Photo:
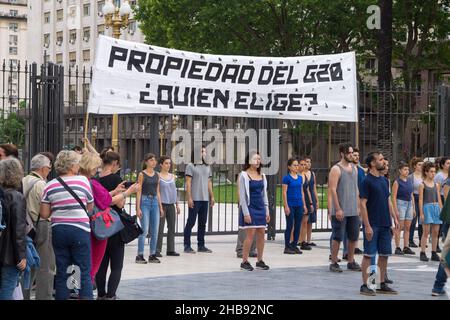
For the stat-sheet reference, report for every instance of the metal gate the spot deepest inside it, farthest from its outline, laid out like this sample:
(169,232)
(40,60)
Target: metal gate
(46,113)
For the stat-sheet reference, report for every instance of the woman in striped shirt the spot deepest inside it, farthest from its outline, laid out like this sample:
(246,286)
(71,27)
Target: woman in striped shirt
(70,225)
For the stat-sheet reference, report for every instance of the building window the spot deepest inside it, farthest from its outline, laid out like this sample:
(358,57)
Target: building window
(13,63)
(86,93)
(86,9)
(46,58)
(60,15)
(101,29)
(73,36)
(371,64)
(72,58)
(46,40)
(13,13)
(86,34)
(86,55)
(13,27)
(12,50)
(59,58)
(59,38)
(13,39)
(72,94)
(100,5)
(132,27)
(47,17)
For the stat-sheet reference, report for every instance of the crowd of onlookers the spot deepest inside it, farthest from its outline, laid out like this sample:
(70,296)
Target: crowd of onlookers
(48,239)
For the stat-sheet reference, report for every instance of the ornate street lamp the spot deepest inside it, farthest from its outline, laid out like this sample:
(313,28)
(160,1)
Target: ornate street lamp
(117,18)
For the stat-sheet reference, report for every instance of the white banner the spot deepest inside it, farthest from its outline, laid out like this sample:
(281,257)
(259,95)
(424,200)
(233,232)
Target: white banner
(137,78)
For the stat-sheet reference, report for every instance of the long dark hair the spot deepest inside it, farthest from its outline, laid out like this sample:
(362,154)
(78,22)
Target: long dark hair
(247,164)
(147,157)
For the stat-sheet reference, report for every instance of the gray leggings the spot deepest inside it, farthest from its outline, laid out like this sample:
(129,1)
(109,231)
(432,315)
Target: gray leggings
(170,216)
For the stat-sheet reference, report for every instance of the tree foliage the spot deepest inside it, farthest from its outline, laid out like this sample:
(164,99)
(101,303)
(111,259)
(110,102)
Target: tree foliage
(298,28)
(12,130)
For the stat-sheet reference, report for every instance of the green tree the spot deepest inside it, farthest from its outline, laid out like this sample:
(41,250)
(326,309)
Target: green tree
(258,28)
(12,130)
(421,42)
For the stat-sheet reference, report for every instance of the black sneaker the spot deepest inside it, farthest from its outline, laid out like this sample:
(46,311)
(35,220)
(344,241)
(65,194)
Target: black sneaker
(413,245)
(438,293)
(153,259)
(261,265)
(304,246)
(423,257)
(385,289)
(189,250)
(312,244)
(398,251)
(246,266)
(438,250)
(435,256)
(252,255)
(366,291)
(353,266)
(158,255)
(345,257)
(288,251)
(297,250)
(172,254)
(358,251)
(407,250)
(387,280)
(204,250)
(140,259)
(334,267)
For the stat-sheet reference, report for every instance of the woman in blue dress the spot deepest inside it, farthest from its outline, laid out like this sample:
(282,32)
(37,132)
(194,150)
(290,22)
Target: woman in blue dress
(254,209)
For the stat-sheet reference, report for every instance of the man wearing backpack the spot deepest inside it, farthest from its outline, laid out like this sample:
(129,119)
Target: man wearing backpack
(33,187)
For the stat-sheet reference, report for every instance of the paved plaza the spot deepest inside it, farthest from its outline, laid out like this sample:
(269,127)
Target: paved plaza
(297,277)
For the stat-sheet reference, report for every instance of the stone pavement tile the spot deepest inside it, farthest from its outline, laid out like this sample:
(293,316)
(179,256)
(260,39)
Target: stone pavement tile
(307,283)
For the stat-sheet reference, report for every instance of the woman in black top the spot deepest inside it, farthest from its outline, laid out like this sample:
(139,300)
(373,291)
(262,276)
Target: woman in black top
(115,249)
(13,237)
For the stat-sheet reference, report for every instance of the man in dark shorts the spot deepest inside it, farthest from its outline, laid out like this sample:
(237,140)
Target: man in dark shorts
(343,185)
(377,215)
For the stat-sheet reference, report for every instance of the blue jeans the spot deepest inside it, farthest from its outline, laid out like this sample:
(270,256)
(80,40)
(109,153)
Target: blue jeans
(10,279)
(441,279)
(150,215)
(72,246)
(293,220)
(200,209)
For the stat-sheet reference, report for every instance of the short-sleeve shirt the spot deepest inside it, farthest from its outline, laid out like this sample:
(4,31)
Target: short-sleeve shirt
(361,176)
(200,173)
(441,178)
(294,190)
(376,191)
(65,210)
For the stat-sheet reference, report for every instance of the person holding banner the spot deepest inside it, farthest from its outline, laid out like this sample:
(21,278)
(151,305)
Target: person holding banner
(254,213)
(198,191)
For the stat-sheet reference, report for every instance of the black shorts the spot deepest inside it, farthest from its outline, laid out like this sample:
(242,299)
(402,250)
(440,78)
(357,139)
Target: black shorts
(350,225)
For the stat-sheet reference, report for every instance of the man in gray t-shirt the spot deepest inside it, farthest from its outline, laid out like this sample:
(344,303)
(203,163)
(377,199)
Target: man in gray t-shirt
(199,194)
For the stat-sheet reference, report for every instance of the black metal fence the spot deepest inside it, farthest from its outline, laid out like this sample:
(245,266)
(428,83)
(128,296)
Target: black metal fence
(44,107)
